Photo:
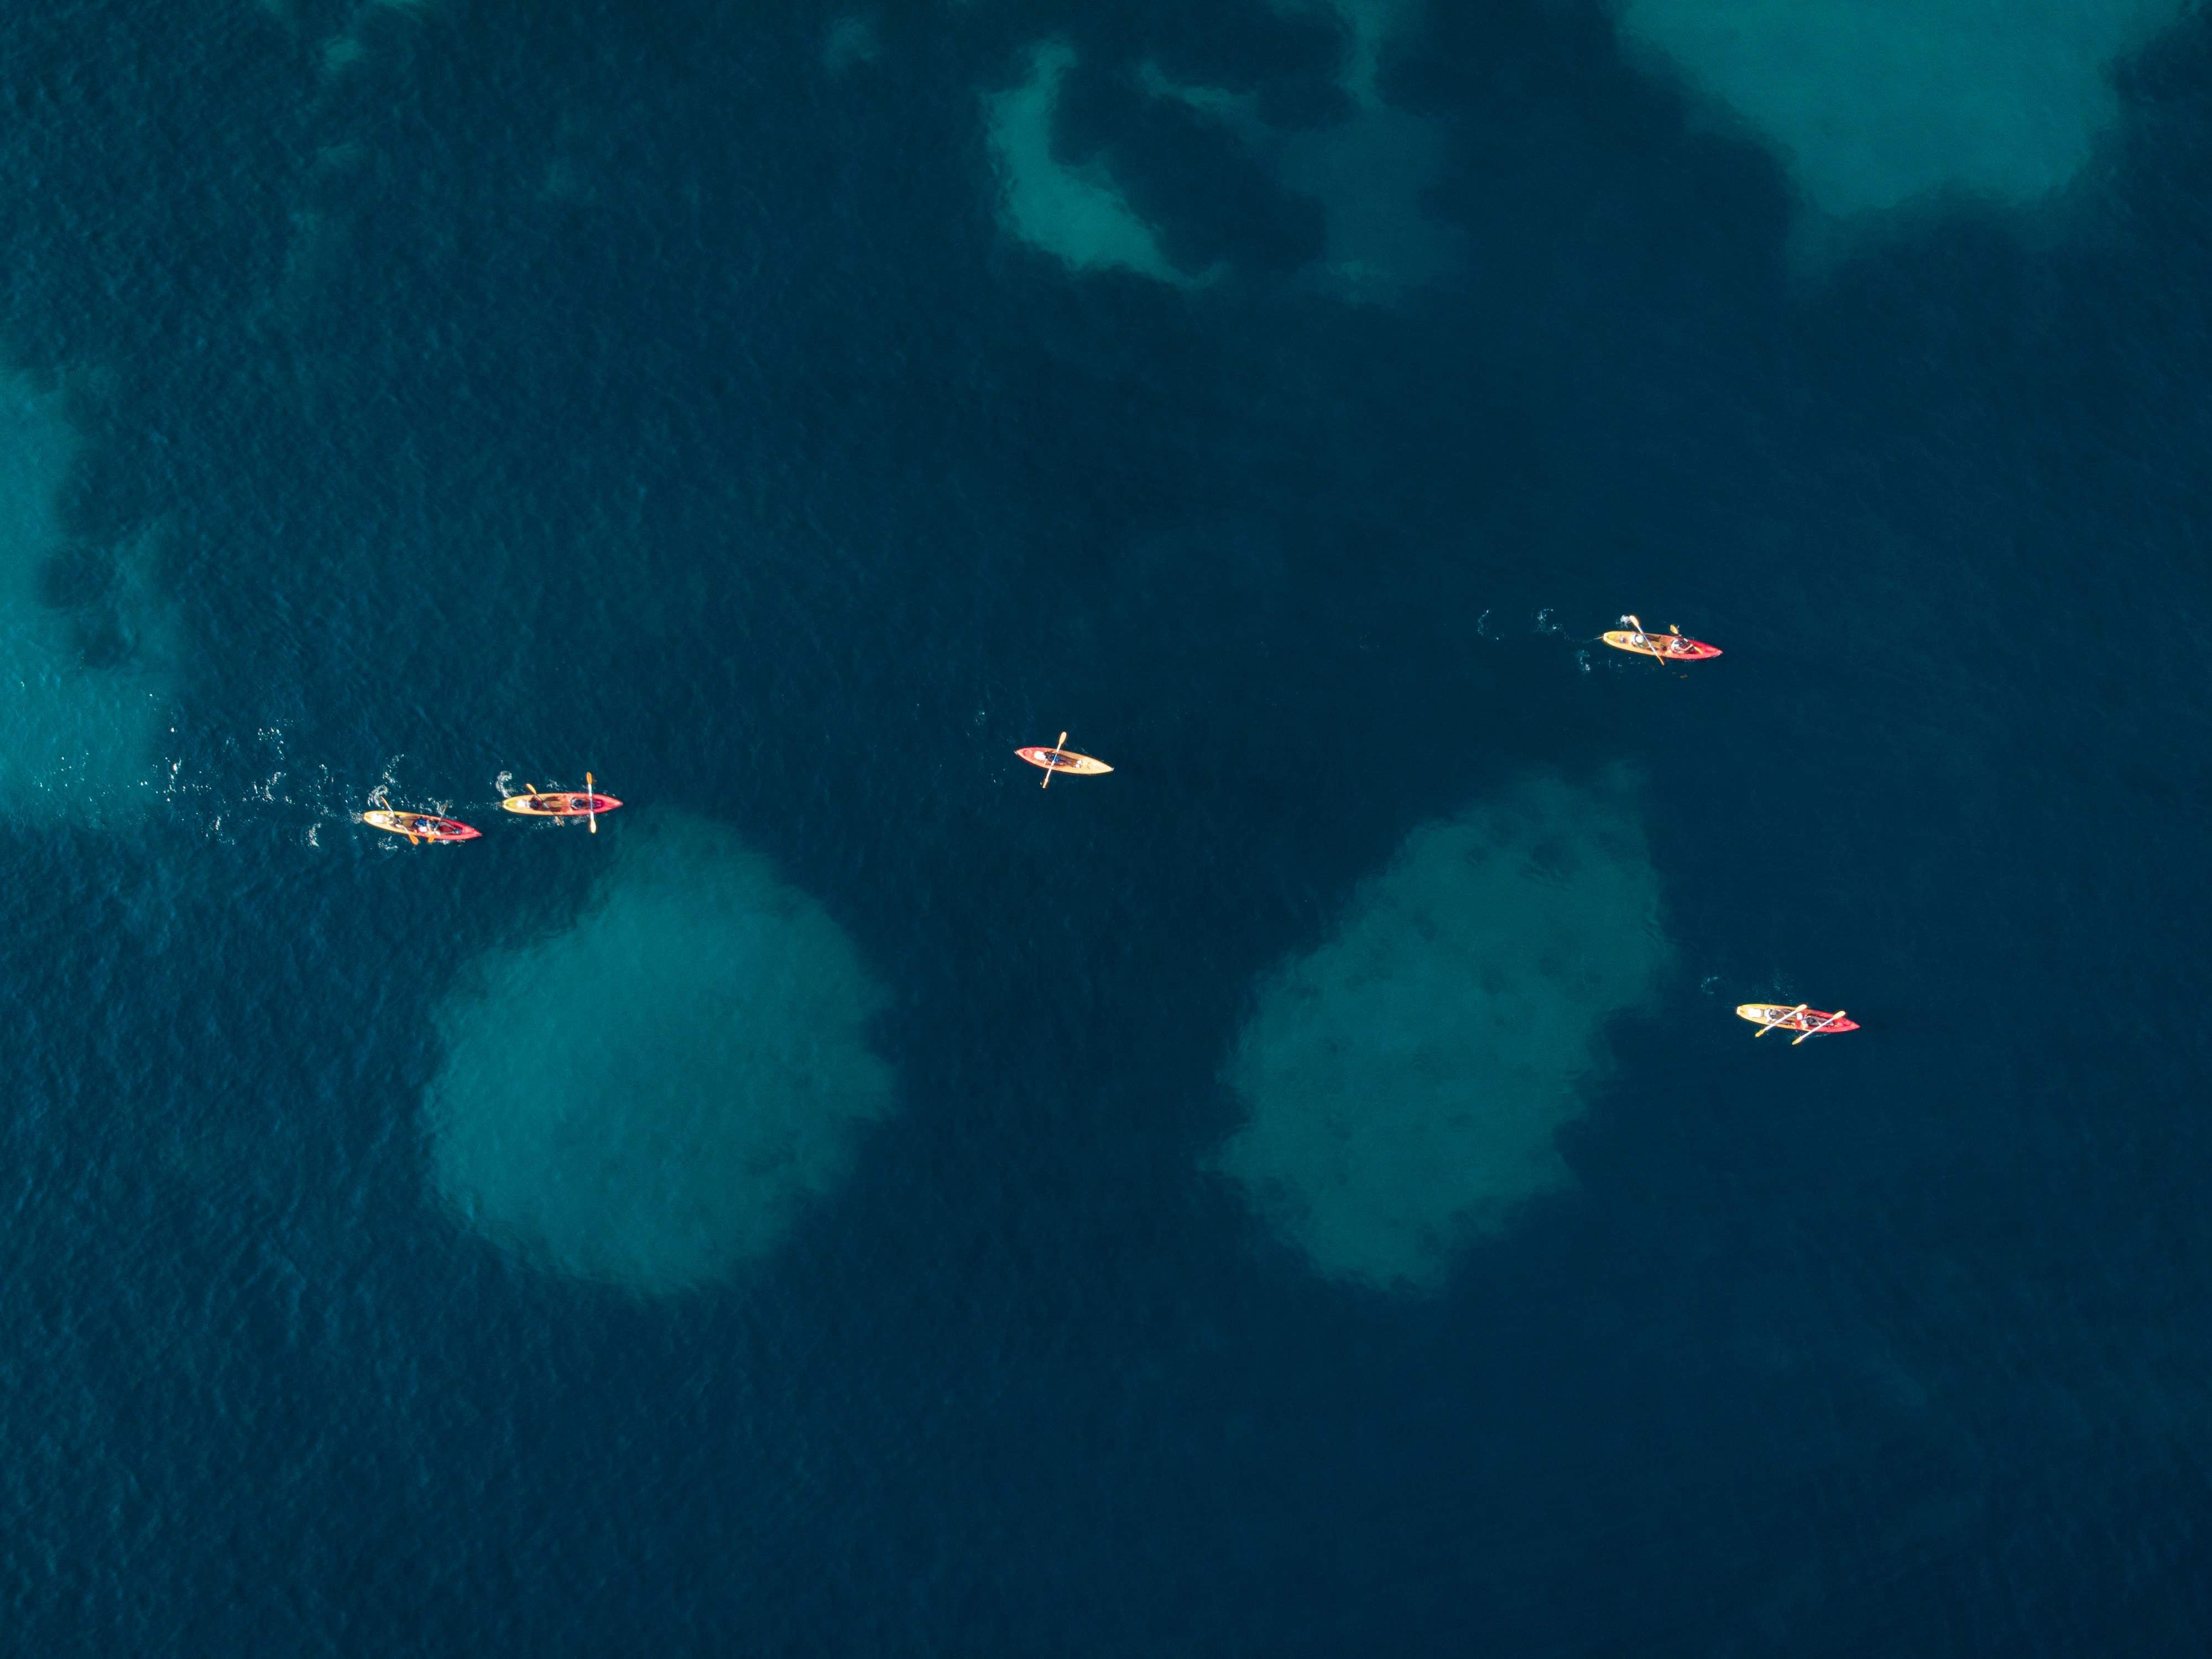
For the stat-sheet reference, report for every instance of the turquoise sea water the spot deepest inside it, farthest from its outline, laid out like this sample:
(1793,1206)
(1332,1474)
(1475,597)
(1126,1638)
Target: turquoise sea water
(1304,1193)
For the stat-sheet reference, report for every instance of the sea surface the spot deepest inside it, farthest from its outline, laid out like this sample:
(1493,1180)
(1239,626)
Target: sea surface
(1303,1194)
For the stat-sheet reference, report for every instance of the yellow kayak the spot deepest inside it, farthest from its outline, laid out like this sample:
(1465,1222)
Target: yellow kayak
(419,827)
(1059,759)
(1669,646)
(559,804)
(1804,1020)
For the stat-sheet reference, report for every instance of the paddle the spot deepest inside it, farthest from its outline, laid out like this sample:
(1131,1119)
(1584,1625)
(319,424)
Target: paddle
(1046,784)
(1774,1024)
(592,801)
(1823,1025)
(1649,644)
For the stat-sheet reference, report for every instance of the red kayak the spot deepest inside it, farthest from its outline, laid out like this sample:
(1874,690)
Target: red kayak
(420,826)
(560,804)
(1669,646)
(1804,1020)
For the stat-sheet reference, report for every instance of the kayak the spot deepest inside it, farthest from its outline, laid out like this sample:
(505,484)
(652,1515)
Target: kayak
(1673,647)
(1064,760)
(1781,1017)
(559,804)
(420,826)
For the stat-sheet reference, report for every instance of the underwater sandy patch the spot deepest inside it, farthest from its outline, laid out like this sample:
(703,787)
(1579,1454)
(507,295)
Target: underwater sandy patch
(79,737)
(1076,213)
(1405,1081)
(652,1097)
(1873,103)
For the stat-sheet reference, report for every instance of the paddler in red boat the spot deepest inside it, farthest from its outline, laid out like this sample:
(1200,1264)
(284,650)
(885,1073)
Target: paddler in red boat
(1804,1019)
(561,804)
(419,827)
(1673,645)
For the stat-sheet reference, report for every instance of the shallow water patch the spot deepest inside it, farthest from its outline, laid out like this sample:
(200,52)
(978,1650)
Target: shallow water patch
(1874,102)
(1074,212)
(1405,1081)
(650,1097)
(83,694)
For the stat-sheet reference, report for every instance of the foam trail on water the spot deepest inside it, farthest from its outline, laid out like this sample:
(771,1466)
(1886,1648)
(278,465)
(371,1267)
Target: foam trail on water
(1405,1081)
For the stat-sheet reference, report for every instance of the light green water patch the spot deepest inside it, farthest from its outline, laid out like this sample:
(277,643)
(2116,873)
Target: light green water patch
(1875,102)
(78,742)
(1075,213)
(1369,171)
(650,1097)
(1406,1081)
(340,52)
(1371,24)
(854,39)
(1372,171)
(1370,174)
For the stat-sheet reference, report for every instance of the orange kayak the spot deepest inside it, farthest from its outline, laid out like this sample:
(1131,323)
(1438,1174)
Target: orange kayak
(420,826)
(1064,760)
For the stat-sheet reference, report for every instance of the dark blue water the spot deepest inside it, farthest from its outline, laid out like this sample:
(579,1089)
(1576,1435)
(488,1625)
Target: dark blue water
(561,385)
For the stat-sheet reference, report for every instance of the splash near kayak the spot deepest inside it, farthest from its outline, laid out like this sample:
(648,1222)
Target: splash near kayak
(561,803)
(1057,759)
(1673,645)
(1805,1020)
(419,827)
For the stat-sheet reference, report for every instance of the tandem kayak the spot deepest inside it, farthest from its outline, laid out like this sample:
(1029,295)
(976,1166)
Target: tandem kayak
(1804,1020)
(1667,648)
(1673,645)
(559,804)
(420,826)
